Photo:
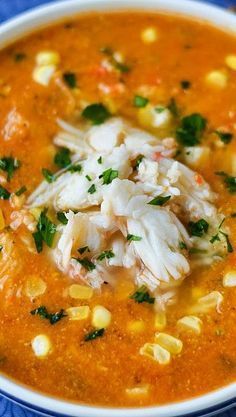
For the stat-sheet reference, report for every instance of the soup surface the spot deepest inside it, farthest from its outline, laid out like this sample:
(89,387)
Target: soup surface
(158,325)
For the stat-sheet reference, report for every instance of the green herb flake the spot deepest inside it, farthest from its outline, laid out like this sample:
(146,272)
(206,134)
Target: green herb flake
(138,161)
(172,106)
(159,200)
(61,217)
(83,250)
(9,165)
(198,228)
(109,175)
(120,66)
(92,189)
(159,109)
(229,180)
(46,231)
(62,158)
(140,101)
(75,168)
(142,296)
(185,84)
(4,193)
(19,56)
(38,240)
(225,137)
(88,177)
(70,79)
(106,254)
(97,113)
(48,175)
(182,245)
(191,129)
(52,317)
(94,335)
(133,238)
(86,263)
(99,160)
(21,191)
(228,243)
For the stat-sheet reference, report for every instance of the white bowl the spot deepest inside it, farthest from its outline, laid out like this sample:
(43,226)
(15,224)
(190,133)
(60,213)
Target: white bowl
(14,29)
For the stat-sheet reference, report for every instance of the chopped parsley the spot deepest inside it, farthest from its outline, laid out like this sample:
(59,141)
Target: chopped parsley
(21,191)
(182,245)
(133,238)
(83,250)
(52,317)
(106,254)
(140,101)
(4,193)
(62,217)
(92,189)
(97,113)
(191,129)
(216,237)
(120,66)
(88,177)
(159,109)
(225,137)
(109,175)
(159,200)
(99,160)
(48,175)
(94,335)
(86,263)
(9,165)
(19,56)
(198,228)
(75,168)
(142,296)
(228,243)
(70,79)
(46,231)
(138,161)
(185,84)
(229,181)
(62,158)
(172,106)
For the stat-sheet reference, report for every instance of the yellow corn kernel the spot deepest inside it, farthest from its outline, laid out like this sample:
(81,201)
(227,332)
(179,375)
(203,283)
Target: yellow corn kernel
(41,345)
(34,287)
(80,292)
(47,58)
(195,155)
(35,212)
(230,61)
(229,279)
(101,317)
(217,79)
(78,313)
(156,352)
(207,303)
(170,343)
(149,117)
(137,391)
(190,323)
(43,74)
(149,35)
(2,220)
(160,320)
(136,326)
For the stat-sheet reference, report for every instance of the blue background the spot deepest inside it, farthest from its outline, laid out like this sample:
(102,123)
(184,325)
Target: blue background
(9,8)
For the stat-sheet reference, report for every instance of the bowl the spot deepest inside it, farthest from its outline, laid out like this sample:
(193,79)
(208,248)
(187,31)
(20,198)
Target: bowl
(204,405)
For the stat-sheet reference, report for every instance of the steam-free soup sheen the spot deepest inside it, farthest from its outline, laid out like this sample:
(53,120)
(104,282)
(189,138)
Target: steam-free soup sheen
(134,66)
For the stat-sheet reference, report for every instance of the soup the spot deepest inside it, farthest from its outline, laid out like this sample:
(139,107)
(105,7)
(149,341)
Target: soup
(118,216)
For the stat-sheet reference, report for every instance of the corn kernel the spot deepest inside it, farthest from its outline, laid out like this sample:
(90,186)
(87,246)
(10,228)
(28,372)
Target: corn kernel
(208,303)
(156,352)
(41,345)
(136,326)
(78,313)
(43,74)
(149,35)
(149,117)
(229,280)
(217,79)
(160,320)
(34,287)
(138,391)
(195,155)
(168,342)
(47,58)
(230,61)
(190,323)
(2,220)
(101,317)
(81,292)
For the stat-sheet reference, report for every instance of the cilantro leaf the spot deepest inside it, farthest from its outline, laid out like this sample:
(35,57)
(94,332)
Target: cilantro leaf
(225,137)
(109,175)
(185,84)
(140,101)
(86,263)
(21,190)
(92,189)
(62,158)
(106,254)
(83,250)
(97,113)
(172,106)
(138,161)
(182,245)
(9,165)
(94,335)
(46,231)
(198,228)
(70,79)
(191,129)
(142,296)
(62,217)
(229,181)
(48,175)
(52,317)
(133,238)
(159,200)
(4,193)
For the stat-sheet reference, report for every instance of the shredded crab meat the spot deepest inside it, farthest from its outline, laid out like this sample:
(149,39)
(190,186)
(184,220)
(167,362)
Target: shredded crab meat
(120,207)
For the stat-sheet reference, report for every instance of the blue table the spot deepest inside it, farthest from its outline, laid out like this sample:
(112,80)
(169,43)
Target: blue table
(9,8)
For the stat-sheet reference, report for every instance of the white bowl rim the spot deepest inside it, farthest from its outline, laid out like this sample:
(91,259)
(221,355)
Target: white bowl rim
(29,22)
